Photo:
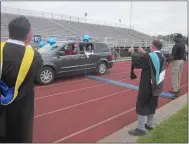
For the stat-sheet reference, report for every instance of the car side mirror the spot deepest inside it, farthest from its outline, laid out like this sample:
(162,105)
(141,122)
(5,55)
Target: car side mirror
(61,53)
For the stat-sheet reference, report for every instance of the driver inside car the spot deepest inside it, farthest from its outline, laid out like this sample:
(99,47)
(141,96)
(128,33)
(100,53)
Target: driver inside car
(70,50)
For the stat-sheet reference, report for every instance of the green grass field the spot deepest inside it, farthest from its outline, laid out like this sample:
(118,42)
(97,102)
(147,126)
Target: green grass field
(173,130)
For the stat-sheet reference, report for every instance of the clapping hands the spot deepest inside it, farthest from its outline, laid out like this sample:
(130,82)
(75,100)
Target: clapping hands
(141,50)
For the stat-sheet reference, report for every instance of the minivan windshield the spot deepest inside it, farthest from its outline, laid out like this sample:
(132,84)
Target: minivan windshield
(48,49)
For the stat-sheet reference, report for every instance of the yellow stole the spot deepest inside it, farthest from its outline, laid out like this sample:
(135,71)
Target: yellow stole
(24,68)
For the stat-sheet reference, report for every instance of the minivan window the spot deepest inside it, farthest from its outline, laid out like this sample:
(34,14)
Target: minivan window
(70,49)
(100,47)
(47,49)
(81,48)
(89,48)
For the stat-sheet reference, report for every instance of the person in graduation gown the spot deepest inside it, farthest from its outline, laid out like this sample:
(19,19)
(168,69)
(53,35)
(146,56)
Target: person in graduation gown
(147,100)
(17,117)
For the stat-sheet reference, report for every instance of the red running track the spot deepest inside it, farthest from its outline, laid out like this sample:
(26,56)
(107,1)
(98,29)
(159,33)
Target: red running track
(84,110)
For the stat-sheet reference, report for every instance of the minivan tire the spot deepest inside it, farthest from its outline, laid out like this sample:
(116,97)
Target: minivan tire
(102,68)
(48,79)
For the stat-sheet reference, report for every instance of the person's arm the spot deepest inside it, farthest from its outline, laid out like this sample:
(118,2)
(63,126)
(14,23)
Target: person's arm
(75,51)
(139,60)
(174,52)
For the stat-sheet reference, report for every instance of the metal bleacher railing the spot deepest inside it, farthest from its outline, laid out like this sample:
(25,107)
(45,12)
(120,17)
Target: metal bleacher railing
(59,17)
(115,43)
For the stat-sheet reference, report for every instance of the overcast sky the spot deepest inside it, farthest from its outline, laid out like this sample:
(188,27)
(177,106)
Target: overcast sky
(151,17)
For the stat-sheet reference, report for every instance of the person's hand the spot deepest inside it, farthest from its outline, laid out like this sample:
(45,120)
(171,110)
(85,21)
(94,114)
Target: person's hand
(141,50)
(131,50)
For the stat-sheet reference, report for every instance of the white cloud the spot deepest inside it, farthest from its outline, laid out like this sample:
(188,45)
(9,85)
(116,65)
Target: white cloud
(153,17)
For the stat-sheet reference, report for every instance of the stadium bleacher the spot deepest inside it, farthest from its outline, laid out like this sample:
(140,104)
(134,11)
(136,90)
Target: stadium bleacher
(63,29)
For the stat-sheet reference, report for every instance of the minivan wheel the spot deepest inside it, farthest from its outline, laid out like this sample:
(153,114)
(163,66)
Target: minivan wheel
(46,76)
(102,68)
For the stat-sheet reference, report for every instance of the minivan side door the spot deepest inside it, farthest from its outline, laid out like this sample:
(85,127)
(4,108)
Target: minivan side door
(91,57)
(101,52)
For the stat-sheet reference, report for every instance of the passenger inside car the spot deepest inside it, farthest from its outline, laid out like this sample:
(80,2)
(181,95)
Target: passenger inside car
(71,50)
(89,48)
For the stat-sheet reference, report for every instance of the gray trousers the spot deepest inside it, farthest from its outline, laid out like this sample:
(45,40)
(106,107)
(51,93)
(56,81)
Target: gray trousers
(177,66)
(142,120)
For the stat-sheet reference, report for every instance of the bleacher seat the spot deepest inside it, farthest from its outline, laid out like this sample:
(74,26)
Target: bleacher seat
(62,28)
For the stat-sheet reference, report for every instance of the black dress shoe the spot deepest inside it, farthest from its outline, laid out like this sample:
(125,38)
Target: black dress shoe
(148,128)
(137,132)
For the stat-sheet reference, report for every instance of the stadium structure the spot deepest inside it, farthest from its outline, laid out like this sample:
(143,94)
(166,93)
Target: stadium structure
(72,28)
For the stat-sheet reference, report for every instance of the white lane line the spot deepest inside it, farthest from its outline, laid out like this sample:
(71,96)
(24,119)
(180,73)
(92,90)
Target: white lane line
(95,125)
(65,108)
(79,104)
(123,61)
(42,97)
(76,90)
(69,91)
(74,81)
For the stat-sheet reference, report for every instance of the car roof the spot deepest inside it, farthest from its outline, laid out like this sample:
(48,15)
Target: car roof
(70,41)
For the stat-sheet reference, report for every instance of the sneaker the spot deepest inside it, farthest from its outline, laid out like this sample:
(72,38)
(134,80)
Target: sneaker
(175,92)
(148,128)
(137,132)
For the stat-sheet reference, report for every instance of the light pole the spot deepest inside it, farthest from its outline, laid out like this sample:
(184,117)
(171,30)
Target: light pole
(120,22)
(131,14)
(86,17)
(85,14)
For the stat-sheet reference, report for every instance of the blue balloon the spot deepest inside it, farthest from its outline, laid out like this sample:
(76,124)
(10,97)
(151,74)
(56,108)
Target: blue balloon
(51,40)
(41,43)
(86,38)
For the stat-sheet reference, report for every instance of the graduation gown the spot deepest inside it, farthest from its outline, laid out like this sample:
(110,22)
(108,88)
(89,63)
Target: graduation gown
(16,119)
(147,102)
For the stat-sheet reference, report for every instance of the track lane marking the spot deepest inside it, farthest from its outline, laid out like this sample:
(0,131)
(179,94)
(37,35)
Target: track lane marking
(79,104)
(95,125)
